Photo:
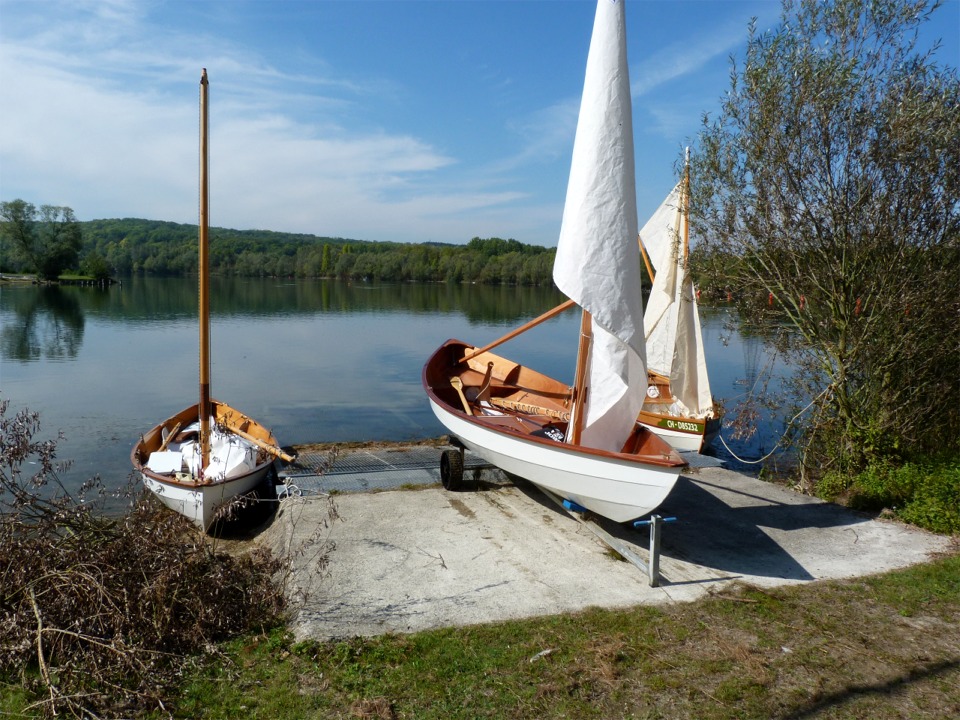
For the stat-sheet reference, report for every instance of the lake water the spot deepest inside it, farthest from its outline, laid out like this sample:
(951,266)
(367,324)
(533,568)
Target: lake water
(314,361)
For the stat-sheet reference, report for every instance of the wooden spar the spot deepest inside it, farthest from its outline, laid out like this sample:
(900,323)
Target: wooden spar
(204,408)
(580,379)
(272,449)
(528,408)
(646,259)
(685,209)
(522,329)
(169,438)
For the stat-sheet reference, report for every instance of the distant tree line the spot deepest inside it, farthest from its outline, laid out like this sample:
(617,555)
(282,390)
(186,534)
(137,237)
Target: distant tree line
(126,247)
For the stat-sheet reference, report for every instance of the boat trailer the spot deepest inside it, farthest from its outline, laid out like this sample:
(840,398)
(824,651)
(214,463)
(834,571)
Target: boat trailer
(652,567)
(451,475)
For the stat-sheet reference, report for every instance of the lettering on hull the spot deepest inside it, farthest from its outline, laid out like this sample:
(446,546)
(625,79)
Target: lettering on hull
(680,426)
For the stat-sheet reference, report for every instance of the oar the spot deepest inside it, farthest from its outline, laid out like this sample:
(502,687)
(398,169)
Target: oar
(457,384)
(272,449)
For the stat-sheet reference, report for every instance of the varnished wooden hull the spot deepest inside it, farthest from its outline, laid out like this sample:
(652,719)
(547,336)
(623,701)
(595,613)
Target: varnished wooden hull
(686,434)
(511,429)
(683,434)
(199,499)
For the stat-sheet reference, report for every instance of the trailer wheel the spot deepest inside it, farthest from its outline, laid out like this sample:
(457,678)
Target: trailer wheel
(451,469)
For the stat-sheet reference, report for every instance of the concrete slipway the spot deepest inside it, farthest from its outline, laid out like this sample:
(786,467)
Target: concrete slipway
(405,560)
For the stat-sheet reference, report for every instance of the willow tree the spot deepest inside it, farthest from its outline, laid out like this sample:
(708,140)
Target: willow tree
(828,187)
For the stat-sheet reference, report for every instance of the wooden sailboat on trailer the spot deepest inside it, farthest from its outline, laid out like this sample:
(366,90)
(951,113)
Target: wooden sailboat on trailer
(204,456)
(678,405)
(581,442)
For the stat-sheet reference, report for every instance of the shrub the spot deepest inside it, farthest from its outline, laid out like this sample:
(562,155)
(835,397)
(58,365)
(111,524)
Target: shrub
(923,492)
(102,615)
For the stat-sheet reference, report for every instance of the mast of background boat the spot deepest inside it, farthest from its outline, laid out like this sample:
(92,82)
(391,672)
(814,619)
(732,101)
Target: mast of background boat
(205,411)
(646,260)
(685,205)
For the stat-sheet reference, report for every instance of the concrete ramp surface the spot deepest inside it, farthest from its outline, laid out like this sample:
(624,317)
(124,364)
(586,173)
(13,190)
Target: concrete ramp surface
(410,560)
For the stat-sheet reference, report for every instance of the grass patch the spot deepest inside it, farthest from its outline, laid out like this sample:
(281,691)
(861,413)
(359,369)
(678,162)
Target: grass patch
(881,647)
(142,617)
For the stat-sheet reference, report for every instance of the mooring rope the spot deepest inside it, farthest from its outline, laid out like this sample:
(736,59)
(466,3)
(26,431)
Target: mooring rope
(775,447)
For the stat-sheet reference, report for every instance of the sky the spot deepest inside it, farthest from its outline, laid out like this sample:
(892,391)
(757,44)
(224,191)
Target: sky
(388,120)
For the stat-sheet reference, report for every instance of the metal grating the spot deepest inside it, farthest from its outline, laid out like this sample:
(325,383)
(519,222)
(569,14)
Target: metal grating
(362,470)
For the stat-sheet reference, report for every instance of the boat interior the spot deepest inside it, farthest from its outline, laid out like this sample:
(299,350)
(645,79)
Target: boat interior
(506,395)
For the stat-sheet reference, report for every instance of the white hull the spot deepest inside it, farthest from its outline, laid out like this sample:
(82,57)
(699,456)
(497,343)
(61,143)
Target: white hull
(199,504)
(614,486)
(236,468)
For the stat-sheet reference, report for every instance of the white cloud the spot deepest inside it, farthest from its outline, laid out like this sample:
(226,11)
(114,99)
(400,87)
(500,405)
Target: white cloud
(106,123)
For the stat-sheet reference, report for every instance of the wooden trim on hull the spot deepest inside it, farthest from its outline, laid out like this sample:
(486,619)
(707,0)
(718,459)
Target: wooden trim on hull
(684,434)
(618,485)
(197,499)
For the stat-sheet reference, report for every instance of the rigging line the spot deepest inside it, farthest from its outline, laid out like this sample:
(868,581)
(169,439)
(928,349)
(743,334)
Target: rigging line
(740,459)
(792,420)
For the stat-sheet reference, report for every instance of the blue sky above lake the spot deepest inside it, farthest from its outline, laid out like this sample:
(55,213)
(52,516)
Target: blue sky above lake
(403,120)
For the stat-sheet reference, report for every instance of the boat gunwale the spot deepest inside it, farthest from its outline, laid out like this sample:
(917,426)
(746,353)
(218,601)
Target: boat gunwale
(665,460)
(193,484)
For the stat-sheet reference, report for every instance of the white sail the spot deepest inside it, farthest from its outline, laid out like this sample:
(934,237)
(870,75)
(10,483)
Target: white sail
(660,234)
(598,259)
(674,342)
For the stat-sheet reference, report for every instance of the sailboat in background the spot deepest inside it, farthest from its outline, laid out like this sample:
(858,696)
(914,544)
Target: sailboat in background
(678,405)
(581,443)
(204,456)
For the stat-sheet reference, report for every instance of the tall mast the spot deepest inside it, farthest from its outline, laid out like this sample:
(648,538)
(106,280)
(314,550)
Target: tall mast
(205,410)
(580,380)
(685,208)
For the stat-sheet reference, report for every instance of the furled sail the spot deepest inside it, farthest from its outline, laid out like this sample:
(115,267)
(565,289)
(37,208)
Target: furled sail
(598,259)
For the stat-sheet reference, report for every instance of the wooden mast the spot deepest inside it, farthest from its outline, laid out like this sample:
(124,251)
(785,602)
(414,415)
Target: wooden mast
(685,209)
(580,388)
(646,260)
(205,410)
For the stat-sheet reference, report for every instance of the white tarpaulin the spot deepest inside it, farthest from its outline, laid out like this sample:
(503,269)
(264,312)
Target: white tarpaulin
(598,259)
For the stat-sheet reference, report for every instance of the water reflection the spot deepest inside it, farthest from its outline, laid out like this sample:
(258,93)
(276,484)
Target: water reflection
(314,361)
(47,323)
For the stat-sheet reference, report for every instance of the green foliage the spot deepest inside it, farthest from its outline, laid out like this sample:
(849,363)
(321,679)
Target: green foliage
(830,184)
(131,246)
(46,241)
(925,493)
(169,249)
(95,265)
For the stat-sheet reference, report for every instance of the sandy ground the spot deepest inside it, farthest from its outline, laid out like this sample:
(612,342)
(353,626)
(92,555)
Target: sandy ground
(408,560)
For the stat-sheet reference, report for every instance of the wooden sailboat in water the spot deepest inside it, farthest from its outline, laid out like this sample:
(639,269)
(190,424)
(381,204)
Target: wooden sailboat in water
(678,405)
(206,455)
(580,442)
